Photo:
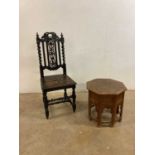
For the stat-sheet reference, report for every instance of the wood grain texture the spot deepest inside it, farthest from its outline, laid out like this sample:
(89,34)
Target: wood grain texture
(106,86)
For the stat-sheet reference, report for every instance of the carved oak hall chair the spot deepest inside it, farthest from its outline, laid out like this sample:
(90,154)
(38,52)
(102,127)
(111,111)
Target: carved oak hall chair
(52,57)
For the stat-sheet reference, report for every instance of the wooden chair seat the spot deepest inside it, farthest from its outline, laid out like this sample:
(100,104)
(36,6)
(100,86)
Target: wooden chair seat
(56,82)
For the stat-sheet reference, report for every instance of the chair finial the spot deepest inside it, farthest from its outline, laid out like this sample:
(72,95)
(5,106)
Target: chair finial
(61,35)
(62,38)
(37,35)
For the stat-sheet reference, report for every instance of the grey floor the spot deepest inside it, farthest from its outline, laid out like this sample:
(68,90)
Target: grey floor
(68,133)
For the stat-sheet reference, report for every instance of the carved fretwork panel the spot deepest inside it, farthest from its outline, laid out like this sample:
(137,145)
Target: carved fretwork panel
(51,51)
(52,54)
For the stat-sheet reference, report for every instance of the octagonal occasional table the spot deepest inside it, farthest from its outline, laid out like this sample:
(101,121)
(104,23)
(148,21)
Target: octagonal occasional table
(106,93)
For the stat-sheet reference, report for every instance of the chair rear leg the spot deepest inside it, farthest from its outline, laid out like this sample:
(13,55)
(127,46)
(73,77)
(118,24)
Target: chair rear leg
(45,104)
(65,93)
(74,99)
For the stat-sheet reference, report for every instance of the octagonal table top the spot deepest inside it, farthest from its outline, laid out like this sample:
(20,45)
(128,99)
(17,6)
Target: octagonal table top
(106,86)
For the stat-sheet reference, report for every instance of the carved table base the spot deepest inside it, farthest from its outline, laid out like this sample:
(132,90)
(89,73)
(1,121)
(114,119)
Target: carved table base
(100,101)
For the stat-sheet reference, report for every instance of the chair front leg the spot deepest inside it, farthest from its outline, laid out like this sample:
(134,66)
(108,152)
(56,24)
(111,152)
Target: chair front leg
(74,99)
(45,104)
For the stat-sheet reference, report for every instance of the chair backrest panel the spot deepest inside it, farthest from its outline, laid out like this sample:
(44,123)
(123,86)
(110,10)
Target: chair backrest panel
(51,48)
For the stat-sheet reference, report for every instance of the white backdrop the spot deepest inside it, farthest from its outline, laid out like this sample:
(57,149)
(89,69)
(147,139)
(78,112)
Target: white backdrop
(99,39)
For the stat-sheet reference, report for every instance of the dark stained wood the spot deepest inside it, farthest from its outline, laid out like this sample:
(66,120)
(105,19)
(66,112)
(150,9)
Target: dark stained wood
(47,53)
(106,93)
(44,53)
(54,51)
(59,52)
